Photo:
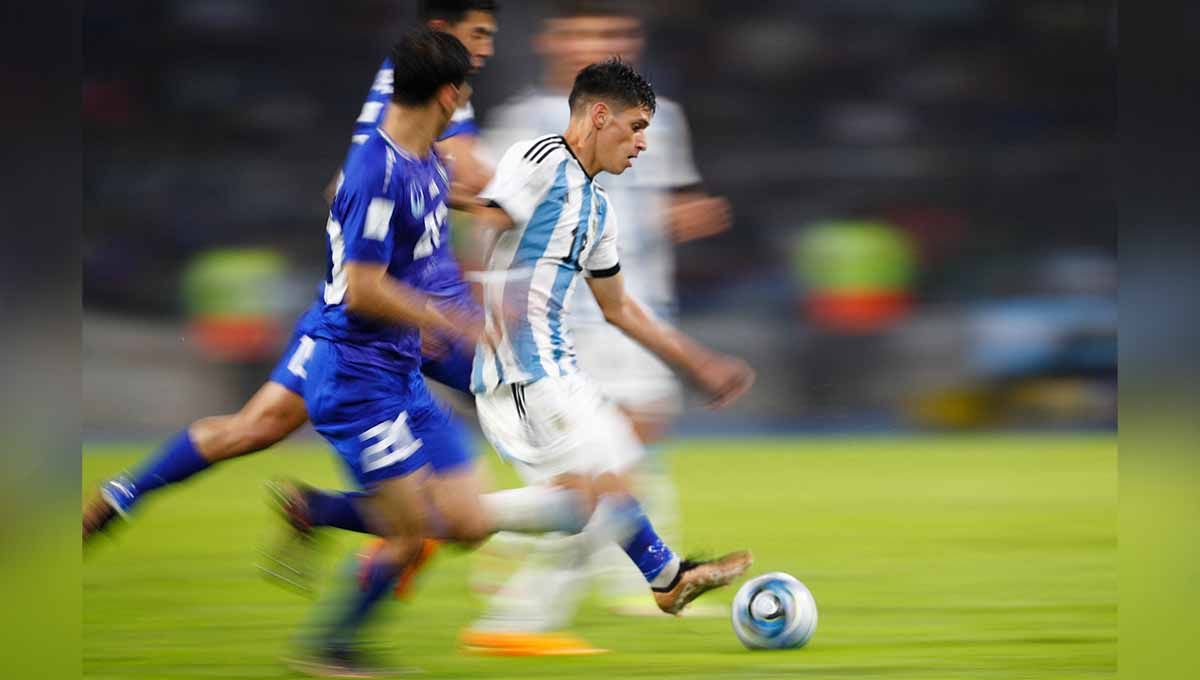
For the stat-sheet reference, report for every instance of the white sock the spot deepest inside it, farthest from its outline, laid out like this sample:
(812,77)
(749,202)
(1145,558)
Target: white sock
(667,575)
(534,509)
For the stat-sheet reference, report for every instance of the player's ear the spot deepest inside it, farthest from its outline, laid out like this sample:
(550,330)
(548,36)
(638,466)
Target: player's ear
(601,114)
(448,96)
(439,25)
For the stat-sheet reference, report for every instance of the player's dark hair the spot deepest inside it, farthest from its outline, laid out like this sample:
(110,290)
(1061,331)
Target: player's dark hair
(453,11)
(612,80)
(423,61)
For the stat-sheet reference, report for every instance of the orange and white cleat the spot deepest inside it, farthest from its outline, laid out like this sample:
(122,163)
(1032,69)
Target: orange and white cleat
(495,643)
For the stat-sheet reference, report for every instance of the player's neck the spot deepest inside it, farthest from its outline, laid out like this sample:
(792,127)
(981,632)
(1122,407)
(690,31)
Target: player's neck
(412,129)
(581,138)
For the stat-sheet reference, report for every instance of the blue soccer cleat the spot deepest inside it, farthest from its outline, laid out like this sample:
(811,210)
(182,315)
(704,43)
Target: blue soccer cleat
(115,499)
(120,494)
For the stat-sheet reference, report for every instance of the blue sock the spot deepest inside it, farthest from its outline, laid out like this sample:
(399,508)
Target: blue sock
(338,510)
(174,462)
(381,578)
(644,547)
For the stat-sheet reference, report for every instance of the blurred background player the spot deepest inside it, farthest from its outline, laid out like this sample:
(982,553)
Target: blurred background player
(277,408)
(659,204)
(535,406)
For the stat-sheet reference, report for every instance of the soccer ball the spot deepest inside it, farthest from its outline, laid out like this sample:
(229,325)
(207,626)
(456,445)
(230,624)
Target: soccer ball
(774,611)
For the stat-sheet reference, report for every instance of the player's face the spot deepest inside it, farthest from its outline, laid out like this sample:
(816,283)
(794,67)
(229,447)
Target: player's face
(450,98)
(571,43)
(622,138)
(477,32)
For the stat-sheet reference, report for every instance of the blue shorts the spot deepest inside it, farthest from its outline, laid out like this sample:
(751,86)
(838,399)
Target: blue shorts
(383,421)
(452,369)
(290,371)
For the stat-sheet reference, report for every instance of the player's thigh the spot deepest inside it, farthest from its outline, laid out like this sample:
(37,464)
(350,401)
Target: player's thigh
(455,496)
(578,430)
(274,411)
(396,509)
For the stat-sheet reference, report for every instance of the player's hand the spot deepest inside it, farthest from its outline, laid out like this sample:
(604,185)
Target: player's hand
(724,379)
(450,325)
(433,345)
(690,218)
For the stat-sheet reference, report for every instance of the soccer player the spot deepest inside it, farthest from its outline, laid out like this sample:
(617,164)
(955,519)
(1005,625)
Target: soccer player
(364,390)
(659,204)
(534,404)
(278,409)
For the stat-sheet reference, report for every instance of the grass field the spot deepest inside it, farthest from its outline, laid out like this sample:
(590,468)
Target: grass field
(930,557)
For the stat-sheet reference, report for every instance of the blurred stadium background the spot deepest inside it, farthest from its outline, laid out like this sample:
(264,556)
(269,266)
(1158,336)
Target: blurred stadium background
(924,245)
(924,233)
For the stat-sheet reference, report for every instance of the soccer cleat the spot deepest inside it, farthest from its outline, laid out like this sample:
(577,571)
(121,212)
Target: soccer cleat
(338,663)
(492,643)
(696,578)
(114,499)
(289,561)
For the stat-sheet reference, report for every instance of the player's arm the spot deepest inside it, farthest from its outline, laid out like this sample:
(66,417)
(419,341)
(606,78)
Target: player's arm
(693,214)
(468,173)
(512,193)
(372,293)
(723,377)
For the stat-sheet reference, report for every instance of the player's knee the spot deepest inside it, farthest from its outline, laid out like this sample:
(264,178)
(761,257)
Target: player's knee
(472,529)
(395,551)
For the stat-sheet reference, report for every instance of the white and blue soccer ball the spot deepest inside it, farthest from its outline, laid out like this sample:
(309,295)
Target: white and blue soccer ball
(774,611)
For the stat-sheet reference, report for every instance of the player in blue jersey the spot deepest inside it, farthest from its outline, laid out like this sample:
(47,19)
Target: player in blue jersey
(363,387)
(278,409)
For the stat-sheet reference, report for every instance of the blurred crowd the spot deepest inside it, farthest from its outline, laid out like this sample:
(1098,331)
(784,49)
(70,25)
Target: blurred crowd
(899,212)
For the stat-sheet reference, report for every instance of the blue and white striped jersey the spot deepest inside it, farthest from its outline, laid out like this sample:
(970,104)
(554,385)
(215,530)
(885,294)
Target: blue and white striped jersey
(563,225)
(641,195)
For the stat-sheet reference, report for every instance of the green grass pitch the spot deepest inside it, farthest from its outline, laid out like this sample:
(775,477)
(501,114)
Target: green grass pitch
(930,557)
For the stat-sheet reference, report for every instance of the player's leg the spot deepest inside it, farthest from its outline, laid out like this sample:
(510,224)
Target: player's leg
(373,418)
(650,396)
(272,414)
(592,438)
(526,615)
(395,509)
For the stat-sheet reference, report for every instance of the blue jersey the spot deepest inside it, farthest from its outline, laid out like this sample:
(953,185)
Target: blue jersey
(390,209)
(442,275)
(371,115)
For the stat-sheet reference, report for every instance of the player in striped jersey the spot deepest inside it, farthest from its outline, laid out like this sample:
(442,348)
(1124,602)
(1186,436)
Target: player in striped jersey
(535,406)
(660,203)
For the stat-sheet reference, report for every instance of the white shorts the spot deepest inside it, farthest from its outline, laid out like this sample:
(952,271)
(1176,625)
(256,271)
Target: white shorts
(554,426)
(626,372)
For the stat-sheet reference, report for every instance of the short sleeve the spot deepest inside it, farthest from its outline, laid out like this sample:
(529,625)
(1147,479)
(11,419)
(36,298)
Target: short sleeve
(365,215)
(376,102)
(519,183)
(604,259)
